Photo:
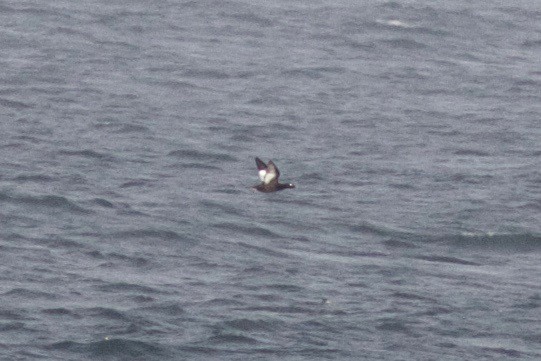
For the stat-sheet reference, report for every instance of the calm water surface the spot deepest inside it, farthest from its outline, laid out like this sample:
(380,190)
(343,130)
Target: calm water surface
(128,229)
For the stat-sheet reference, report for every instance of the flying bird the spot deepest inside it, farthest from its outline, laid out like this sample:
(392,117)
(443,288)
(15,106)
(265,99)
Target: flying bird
(269,174)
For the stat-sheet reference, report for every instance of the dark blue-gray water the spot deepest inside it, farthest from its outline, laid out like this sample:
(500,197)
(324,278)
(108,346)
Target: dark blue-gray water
(128,229)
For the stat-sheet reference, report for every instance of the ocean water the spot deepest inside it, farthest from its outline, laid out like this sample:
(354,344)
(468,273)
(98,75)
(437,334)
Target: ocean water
(128,229)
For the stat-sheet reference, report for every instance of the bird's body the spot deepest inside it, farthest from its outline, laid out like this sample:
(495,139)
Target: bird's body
(269,174)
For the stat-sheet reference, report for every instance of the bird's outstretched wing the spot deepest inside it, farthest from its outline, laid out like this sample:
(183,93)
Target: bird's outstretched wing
(262,167)
(267,172)
(273,169)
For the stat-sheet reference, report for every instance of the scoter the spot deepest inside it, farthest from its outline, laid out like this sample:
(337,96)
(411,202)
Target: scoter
(269,174)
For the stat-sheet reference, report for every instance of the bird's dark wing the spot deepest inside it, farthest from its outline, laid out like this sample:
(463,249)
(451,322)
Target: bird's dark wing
(273,169)
(260,164)
(264,172)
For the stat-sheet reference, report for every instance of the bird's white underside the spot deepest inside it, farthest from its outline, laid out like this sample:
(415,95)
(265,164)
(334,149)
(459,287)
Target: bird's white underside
(265,176)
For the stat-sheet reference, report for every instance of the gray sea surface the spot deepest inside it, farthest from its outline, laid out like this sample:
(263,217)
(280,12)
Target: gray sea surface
(128,226)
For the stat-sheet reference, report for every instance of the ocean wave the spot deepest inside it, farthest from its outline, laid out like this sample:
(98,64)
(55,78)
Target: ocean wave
(46,201)
(112,347)
(502,242)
